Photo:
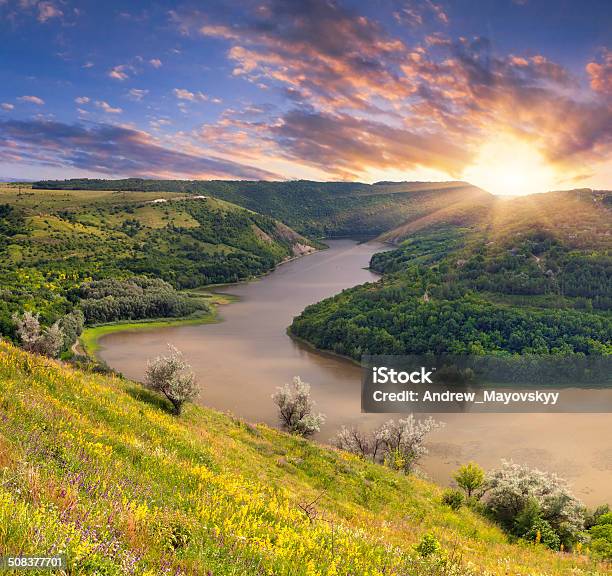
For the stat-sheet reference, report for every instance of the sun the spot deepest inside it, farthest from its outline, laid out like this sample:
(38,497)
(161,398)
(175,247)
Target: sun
(509,166)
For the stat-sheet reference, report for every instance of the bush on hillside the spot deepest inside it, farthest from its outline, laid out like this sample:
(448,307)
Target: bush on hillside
(518,496)
(173,377)
(399,445)
(601,537)
(34,338)
(541,532)
(296,408)
(453,498)
(72,325)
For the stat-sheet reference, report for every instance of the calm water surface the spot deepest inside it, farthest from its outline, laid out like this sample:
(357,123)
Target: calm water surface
(242,360)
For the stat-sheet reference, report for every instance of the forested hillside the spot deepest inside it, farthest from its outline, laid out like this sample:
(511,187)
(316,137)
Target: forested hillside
(532,275)
(54,244)
(317,209)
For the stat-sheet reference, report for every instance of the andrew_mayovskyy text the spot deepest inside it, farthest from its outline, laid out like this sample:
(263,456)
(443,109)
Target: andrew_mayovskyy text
(484,397)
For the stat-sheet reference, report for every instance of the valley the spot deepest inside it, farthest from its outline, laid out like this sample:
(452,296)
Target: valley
(255,284)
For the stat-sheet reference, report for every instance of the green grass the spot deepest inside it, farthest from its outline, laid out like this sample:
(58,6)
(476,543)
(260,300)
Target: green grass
(96,467)
(90,338)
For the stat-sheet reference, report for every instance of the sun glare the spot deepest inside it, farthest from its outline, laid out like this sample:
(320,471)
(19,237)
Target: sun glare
(509,166)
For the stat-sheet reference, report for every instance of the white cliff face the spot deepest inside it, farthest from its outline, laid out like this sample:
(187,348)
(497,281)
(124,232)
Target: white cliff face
(300,249)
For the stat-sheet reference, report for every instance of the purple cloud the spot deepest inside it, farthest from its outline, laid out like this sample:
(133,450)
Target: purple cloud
(111,150)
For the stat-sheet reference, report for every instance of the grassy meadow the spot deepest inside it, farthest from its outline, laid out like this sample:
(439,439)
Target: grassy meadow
(94,466)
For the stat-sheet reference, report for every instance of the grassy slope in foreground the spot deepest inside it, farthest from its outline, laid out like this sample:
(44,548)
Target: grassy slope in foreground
(92,465)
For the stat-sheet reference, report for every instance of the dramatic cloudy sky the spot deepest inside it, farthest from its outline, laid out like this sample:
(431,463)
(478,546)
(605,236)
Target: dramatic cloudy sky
(514,95)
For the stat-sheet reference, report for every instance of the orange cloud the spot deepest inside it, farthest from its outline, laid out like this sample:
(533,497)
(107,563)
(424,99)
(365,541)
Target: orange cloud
(600,73)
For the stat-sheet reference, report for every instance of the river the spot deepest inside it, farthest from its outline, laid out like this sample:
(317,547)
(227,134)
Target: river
(241,360)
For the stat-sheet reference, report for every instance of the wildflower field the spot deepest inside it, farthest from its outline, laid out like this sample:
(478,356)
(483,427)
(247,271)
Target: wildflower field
(95,467)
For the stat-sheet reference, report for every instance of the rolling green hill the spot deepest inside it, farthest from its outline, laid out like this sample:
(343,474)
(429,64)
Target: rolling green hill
(53,241)
(95,467)
(316,208)
(528,275)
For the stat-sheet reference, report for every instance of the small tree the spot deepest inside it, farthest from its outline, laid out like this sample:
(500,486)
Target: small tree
(173,377)
(470,477)
(46,341)
(399,444)
(28,329)
(364,445)
(295,408)
(51,341)
(405,440)
(72,326)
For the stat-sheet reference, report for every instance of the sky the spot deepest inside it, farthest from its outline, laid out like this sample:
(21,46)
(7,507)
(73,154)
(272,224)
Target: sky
(511,95)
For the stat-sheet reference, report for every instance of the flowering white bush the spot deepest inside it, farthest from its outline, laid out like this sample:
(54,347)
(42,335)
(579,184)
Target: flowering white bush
(405,440)
(173,377)
(513,488)
(398,444)
(369,446)
(295,408)
(47,341)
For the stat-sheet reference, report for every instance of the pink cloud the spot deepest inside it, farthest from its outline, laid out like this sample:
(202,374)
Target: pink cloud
(106,107)
(47,10)
(120,72)
(183,94)
(32,100)
(600,73)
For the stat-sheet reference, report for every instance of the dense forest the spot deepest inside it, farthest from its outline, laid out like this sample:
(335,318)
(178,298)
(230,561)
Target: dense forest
(470,273)
(316,209)
(56,246)
(532,277)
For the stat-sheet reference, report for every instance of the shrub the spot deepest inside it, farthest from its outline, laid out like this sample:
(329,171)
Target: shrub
(593,516)
(542,533)
(173,377)
(399,444)
(453,498)
(46,341)
(367,446)
(601,537)
(428,546)
(295,408)
(526,518)
(470,477)
(72,326)
(513,488)
(405,440)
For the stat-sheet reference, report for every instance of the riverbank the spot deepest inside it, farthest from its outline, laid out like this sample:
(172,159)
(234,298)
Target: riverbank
(89,340)
(88,343)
